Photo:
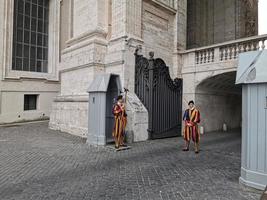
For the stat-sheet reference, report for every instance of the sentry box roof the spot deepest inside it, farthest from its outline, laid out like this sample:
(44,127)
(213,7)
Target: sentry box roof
(252,67)
(101,82)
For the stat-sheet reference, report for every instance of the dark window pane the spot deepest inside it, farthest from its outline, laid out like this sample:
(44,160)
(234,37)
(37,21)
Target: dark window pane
(45,52)
(26,51)
(45,27)
(40,26)
(18,63)
(45,66)
(20,21)
(26,37)
(34,10)
(25,64)
(27,9)
(19,35)
(13,63)
(33,53)
(40,12)
(40,39)
(40,2)
(20,6)
(33,24)
(27,21)
(14,50)
(39,66)
(39,53)
(46,4)
(34,1)
(19,50)
(32,65)
(33,38)
(30,102)
(46,14)
(45,44)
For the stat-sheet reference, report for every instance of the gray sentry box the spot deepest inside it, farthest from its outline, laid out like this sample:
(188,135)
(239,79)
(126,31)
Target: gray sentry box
(102,92)
(252,74)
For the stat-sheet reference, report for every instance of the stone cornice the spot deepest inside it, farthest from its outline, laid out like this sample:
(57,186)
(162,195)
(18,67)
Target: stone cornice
(86,35)
(173,10)
(81,67)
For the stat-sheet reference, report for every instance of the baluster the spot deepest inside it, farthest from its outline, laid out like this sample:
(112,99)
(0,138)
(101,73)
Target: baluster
(201,57)
(205,56)
(235,51)
(238,51)
(209,56)
(247,47)
(250,46)
(212,55)
(225,53)
(241,48)
(221,54)
(257,45)
(197,57)
(229,53)
(263,44)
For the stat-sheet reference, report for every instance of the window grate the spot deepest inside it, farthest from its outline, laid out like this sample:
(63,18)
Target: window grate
(30,101)
(30,35)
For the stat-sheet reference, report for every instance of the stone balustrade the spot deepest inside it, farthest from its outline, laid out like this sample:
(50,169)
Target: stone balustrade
(228,50)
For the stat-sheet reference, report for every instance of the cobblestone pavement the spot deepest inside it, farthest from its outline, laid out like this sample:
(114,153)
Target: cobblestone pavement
(38,163)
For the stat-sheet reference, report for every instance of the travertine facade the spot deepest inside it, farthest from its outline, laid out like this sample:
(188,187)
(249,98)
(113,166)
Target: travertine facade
(87,37)
(104,35)
(15,84)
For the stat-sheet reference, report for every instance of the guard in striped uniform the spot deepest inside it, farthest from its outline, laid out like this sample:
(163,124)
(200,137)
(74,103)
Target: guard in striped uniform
(120,121)
(191,118)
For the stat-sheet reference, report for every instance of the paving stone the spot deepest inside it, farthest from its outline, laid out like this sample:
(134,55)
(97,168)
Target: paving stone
(38,163)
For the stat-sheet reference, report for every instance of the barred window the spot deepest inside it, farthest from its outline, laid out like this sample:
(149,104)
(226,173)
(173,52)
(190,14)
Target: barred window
(30,35)
(30,102)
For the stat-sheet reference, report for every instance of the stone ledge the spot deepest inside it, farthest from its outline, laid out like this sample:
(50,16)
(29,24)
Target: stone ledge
(71,98)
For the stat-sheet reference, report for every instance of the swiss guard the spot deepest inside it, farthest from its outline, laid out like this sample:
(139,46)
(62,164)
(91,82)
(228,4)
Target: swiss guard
(191,118)
(120,122)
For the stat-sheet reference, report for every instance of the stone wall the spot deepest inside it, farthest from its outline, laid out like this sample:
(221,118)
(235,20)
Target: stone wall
(103,36)
(219,108)
(14,84)
(158,32)
(216,21)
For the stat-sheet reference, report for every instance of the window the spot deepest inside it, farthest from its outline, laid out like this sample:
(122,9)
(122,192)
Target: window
(30,35)
(30,101)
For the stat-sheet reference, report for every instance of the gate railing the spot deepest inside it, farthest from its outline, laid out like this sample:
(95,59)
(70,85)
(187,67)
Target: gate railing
(161,95)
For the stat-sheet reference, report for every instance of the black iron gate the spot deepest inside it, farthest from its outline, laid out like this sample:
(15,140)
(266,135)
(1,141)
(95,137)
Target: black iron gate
(161,95)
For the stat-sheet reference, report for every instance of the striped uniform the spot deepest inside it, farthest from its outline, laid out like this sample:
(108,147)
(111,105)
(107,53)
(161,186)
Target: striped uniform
(119,124)
(191,118)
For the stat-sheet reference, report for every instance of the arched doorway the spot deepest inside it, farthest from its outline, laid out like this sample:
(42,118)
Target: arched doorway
(220,102)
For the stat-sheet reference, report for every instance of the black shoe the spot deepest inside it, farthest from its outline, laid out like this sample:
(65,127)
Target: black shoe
(124,145)
(186,149)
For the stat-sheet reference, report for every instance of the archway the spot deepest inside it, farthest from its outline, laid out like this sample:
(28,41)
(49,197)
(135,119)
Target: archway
(220,102)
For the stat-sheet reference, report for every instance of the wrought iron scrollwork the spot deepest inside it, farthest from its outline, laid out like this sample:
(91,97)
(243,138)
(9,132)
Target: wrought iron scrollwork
(161,95)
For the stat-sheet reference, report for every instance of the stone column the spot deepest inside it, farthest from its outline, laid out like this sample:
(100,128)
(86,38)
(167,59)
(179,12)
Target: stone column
(180,36)
(262,7)
(82,58)
(125,37)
